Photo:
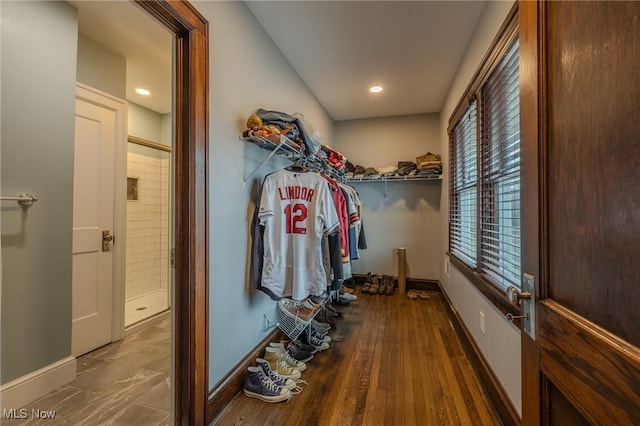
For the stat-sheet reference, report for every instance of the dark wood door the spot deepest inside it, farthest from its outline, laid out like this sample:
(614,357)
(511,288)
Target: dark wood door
(580,97)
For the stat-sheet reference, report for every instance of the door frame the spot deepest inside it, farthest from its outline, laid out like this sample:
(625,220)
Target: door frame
(532,177)
(191,303)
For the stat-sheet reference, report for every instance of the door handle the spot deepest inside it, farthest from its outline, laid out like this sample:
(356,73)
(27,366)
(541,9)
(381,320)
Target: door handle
(106,239)
(525,298)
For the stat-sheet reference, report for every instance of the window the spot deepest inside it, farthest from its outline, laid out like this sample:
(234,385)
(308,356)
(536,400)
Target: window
(484,148)
(463,194)
(500,173)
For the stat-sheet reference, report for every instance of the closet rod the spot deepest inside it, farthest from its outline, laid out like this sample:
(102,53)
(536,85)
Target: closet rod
(25,200)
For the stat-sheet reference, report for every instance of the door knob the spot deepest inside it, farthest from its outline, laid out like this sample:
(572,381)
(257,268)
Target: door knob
(106,239)
(515,295)
(526,299)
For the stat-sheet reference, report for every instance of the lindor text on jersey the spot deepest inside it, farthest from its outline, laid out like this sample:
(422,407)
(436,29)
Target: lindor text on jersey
(296,193)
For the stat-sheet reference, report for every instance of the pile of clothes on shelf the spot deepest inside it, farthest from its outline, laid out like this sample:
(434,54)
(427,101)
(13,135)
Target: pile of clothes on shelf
(295,133)
(277,375)
(428,164)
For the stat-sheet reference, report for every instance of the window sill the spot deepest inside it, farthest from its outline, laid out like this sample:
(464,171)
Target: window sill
(490,291)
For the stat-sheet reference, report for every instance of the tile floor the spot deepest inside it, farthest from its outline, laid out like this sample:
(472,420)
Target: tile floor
(123,383)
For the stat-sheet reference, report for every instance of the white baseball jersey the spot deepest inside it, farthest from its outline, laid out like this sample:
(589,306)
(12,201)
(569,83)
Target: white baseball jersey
(296,210)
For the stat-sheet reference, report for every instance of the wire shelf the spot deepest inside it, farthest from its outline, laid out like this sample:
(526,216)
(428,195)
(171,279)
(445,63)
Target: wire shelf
(288,149)
(290,325)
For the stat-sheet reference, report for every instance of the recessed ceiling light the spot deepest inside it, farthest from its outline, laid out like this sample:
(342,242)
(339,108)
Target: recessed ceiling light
(376,89)
(144,92)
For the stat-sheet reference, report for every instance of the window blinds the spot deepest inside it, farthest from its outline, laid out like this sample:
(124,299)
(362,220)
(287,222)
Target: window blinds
(463,193)
(500,173)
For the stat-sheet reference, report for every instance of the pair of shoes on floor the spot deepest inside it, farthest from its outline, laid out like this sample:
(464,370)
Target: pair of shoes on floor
(347,297)
(277,350)
(313,338)
(282,363)
(331,311)
(320,326)
(413,295)
(387,286)
(326,317)
(371,285)
(267,385)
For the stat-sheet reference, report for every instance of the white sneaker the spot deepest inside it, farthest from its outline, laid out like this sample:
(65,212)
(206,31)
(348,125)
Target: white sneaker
(348,297)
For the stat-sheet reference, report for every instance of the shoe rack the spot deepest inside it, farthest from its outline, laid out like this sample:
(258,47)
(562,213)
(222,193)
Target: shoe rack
(292,326)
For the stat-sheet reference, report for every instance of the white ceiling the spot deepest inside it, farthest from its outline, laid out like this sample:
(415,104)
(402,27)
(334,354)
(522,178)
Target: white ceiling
(339,49)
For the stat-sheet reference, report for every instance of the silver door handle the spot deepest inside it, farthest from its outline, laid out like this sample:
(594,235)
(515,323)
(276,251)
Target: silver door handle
(106,239)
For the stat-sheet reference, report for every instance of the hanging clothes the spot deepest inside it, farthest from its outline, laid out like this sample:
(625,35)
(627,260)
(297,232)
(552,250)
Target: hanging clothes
(296,210)
(354,207)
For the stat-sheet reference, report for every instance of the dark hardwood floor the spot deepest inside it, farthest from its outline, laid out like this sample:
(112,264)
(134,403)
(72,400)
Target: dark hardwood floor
(393,361)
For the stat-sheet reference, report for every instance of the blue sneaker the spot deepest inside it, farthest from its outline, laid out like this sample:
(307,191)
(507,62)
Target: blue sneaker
(259,385)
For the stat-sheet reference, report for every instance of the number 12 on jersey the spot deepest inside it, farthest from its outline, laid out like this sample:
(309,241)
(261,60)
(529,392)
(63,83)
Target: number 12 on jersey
(296,215)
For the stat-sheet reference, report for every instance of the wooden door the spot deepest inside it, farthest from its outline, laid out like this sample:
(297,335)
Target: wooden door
(580,97)
(99,135)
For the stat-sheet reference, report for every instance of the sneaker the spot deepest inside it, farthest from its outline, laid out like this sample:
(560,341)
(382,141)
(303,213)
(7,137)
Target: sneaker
(294,310)
(375,285)
(348,297)
(312,306)
(279,365)
(320,336)
(345,289)
(318,331)
(293,363)
(275,377)
(391,285)
(304,346)
(367,283)
(327,317)
(299,354)
(311,339)
(320,326)
(259,385)
(332,312)
(318,300)
(350,284)
(383,285)
(341,302)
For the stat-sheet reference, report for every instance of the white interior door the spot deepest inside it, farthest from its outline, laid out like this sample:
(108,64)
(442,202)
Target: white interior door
(98,135)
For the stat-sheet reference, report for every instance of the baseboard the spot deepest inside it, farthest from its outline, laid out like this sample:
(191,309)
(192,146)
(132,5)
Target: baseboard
(26,389)
(412,283)
(233,383)
(492,385)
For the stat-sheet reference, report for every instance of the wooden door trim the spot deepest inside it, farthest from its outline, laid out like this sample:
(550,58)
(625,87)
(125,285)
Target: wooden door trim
(569,342)
(532,179)
(191,326)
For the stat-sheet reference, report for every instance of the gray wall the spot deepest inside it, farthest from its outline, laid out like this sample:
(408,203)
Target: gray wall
(101,68)
(147,124)
(410,215)
(500,344)
(247,72)
(38,105)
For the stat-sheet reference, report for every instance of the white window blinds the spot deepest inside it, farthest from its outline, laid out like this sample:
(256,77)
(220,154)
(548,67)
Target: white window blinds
(463,193)
(500,173)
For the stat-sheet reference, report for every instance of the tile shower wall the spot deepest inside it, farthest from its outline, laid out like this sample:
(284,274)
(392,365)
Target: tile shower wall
(147,221)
